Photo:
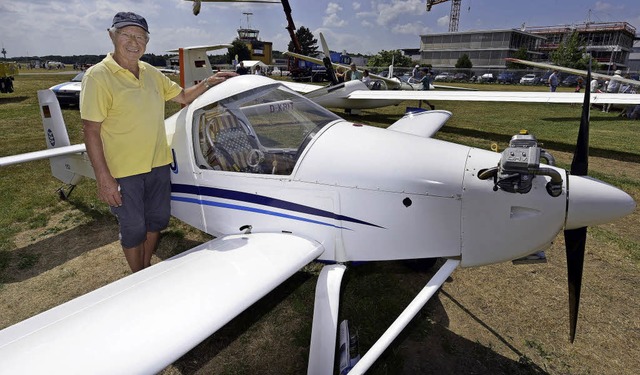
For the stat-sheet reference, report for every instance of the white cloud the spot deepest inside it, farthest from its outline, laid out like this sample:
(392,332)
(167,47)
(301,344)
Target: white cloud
(332,19)
(333,8)
(365,23)
(412,29)
(443,21)
(389,12)
(356,5)
(601,6)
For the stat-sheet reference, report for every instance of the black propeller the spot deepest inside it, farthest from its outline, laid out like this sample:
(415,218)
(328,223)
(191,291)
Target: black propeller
(575,239)
(327,61)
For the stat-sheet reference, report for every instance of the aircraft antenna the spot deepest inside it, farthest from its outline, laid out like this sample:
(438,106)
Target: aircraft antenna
(248,14)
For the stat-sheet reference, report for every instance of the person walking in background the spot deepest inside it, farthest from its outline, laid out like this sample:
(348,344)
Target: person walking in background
(613,88)
(426,85)
(553,81)
(122,109)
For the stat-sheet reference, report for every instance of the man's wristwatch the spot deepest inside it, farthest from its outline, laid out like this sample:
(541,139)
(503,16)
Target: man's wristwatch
(206,83)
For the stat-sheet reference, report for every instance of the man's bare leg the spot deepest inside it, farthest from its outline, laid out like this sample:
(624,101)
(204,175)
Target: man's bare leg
(134,256)
(150,245)
(139,257)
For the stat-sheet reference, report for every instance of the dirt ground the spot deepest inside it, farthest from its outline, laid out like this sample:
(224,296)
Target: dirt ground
(500,319)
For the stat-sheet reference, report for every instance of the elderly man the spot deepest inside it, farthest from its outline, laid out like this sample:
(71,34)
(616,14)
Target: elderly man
(122,109)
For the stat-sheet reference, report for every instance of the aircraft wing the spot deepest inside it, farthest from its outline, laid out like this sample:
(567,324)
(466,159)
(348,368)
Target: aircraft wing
(497,96)
(302,88)
(445,87)
(43,154)
(211,47)
(573,71)
(159,313)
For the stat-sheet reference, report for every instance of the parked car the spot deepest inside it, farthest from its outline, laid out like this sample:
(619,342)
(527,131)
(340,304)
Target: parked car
(486,78)
(68,93)
(529,79)
(444,76)
(460,77)
(507,77)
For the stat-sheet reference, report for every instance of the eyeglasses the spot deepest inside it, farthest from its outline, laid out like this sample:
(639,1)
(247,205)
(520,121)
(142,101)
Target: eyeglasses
(141,39)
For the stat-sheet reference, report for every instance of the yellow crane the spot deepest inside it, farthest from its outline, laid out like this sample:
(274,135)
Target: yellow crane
(454,15)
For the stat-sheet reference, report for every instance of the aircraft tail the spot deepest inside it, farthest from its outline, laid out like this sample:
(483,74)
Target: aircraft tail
(194,63)
(68,163)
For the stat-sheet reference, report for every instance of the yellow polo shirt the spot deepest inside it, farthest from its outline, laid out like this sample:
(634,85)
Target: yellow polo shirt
(131,112)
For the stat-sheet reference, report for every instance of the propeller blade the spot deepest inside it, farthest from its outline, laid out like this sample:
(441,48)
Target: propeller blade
(575,239)
(327,61)
(196,7)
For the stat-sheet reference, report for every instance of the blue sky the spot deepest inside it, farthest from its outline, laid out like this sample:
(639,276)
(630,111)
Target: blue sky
(74,27)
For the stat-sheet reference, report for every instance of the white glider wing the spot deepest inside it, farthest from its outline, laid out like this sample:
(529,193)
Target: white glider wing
(497,96)
(159,313)
(302,88)
(574,71)
(43,154)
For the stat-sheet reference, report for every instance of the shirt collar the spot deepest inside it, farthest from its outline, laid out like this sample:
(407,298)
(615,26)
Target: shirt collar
(115,67)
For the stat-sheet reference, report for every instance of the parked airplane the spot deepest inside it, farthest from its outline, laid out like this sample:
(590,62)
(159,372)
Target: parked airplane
(281,181)
(383,91)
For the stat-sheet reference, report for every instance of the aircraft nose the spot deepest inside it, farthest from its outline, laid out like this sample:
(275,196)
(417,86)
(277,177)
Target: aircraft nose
(593,202)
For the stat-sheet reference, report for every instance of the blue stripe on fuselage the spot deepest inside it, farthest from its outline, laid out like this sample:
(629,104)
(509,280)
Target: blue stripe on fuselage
(259,200)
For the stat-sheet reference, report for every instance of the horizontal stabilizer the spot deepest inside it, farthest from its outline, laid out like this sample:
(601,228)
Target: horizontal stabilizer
(159,313)
(44,154)
(424,124)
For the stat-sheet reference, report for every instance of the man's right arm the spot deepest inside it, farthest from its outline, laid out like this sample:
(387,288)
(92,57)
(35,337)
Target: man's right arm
(108,191)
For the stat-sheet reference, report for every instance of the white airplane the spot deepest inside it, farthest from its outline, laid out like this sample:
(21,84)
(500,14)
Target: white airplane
(281,182)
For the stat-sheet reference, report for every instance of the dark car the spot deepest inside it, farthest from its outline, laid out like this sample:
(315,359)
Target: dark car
(460,77)
(507,77)
(68,93)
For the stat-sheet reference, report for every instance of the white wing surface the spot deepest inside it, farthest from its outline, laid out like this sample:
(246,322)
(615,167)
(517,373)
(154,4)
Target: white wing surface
(498,96)
(574,71)
(302,88)
(44,154)
(159,313)
(424,124)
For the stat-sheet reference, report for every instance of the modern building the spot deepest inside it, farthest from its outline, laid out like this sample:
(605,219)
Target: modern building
(634,57)
(486,49)
(610,43)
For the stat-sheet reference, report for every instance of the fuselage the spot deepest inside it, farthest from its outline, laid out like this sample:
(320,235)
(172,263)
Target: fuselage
(368,193)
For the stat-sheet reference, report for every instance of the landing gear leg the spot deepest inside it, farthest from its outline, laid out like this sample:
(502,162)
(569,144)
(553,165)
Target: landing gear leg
(325,320)
(64,195)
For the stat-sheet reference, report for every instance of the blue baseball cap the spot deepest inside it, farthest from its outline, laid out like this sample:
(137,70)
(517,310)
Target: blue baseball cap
(122,19)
